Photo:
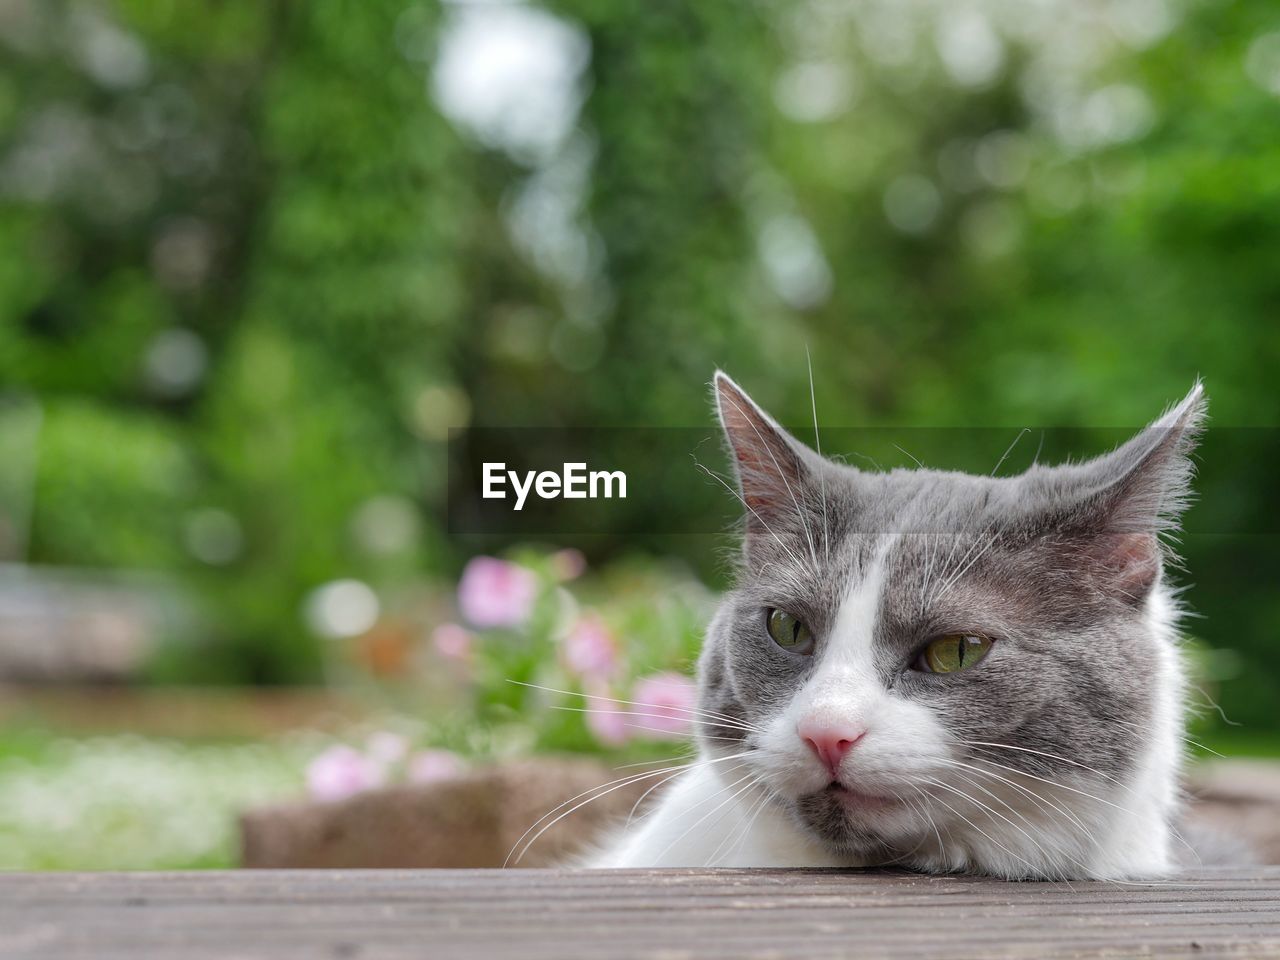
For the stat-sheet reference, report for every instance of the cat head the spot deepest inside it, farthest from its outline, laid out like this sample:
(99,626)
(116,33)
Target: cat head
(905,648)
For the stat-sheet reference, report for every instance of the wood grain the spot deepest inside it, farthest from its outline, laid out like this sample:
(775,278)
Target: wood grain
(661,915)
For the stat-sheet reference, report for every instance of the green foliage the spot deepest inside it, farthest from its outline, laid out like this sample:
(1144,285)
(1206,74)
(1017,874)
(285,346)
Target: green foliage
(753,181)
(111,487)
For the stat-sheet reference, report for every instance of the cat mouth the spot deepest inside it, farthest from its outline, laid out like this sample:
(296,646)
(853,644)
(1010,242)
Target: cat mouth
(857,800)
(849,820)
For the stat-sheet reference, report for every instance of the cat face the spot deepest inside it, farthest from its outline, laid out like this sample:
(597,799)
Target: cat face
(948,670)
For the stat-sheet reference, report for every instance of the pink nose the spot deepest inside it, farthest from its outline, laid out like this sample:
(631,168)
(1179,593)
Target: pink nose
(830,743)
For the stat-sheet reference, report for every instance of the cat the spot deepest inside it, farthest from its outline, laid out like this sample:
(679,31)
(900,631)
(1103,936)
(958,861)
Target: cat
(939,671)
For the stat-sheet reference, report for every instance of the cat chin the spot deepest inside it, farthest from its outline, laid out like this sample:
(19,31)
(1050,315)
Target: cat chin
(855,824)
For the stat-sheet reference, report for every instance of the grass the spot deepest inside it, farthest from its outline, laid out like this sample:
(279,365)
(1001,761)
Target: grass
(125,802)
(1236,742)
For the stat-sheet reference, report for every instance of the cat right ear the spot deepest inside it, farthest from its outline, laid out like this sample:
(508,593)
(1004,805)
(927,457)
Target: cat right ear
(774,470)
(1111,511)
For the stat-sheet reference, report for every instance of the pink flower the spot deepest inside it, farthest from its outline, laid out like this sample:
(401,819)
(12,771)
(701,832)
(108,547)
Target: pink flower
(609,721)
(589,649)
(428,766)
(342,772)
(496,593)
(568,564)
(452,641)
(385,748)
(668,700)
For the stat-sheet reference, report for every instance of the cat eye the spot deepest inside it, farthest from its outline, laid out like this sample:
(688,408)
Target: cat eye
(788,632)
(952,653)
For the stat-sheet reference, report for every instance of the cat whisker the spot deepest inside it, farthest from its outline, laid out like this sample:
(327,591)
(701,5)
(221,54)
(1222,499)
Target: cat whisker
(1040,753)
(1054,783)
(744,779)
(720,718)
(914,458)
(593,793)
(748,823)
(1213,704)
(953,580)
(1078,861)
(931,555)
(1128,789)
(656,786)
(649,763)
(1143,732)
(969,822)
(662,730)
(727,771)
(1052,756)
(1062,786)
(1035,871)
(658,716)
(817,443)
(924,809)
(1005,456)
(732,835)
(919,809)
(706,799)
(603,790)
(951,555)
(1113,880)
(862,456)
(652,716)
(766,797)
(1048,858)
(1035,797)
(1200,746)
(690,755)
(715,476)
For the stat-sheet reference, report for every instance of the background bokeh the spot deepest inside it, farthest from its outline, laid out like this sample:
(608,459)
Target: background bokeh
(258,259)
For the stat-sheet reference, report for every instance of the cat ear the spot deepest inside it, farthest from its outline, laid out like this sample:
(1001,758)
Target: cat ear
(1122,501)
(773,469)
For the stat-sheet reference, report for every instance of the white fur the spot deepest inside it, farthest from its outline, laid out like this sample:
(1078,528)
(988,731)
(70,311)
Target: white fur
(1140,839)
(691,828)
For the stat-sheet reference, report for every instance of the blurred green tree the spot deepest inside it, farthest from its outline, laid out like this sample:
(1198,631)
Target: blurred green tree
(254,262)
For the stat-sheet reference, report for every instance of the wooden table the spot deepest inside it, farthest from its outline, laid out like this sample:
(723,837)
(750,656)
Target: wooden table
(562,915)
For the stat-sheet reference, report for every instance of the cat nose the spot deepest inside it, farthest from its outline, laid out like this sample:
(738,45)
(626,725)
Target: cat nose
(829,742)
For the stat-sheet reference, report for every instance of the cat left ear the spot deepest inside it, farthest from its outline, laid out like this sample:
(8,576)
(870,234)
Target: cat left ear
(1122,501)
(773,475)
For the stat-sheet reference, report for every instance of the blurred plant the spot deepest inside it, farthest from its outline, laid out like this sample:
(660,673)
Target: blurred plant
(596,666)
(342,771)
(544,661)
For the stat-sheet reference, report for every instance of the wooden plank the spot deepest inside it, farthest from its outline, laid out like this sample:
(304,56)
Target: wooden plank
(655,915)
